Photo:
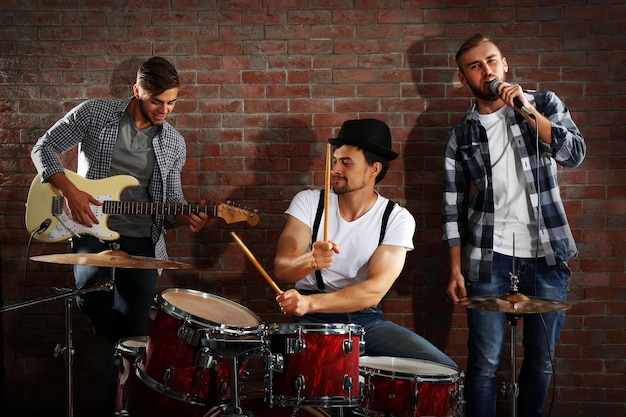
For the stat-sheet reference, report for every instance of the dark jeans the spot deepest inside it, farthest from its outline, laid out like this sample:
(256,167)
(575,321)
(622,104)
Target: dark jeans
(383,337)
(487,331)
(124,312)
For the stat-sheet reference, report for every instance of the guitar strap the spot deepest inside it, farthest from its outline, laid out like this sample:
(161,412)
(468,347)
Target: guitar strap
(316,226)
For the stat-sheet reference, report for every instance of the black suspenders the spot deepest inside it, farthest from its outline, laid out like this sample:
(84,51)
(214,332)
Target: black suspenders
(316,226)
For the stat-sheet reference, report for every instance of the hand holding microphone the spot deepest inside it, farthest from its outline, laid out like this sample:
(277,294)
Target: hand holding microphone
(494,86)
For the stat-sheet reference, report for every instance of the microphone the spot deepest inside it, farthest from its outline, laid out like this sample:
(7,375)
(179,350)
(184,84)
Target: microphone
(495,84)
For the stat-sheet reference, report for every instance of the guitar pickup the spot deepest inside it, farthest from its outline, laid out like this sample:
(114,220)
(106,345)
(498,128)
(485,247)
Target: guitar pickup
(57,205)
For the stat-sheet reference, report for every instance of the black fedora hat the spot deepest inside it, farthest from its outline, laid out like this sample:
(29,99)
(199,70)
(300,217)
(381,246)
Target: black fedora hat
(370,134)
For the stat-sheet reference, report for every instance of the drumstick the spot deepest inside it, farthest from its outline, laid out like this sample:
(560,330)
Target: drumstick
(327,190)
(257,264)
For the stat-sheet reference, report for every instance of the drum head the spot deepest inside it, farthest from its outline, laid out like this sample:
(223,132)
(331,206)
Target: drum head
(406,368)
(206,309)
(132,346)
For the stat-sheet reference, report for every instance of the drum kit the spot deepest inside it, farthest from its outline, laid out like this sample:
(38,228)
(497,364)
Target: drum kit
(194,360)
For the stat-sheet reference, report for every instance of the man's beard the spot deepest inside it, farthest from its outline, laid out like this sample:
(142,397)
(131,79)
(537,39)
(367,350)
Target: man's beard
(479,93)
(147,115)
(345,189)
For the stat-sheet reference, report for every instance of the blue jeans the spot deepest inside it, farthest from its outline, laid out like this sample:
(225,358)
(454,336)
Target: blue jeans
(124,312)
(383,337)
(487,331)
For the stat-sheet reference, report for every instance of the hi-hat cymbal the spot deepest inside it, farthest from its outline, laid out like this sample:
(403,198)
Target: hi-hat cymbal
(514,304)
(112,259)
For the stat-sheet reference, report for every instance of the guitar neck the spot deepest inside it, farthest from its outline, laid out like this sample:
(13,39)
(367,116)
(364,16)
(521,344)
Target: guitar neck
(149,208)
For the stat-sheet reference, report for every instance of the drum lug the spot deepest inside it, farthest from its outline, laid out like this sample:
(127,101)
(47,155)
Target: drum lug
(415,397)
(223,387)
(299,384)
(347,346)
(294,346)
(204,359)
(275,363)
(188,335)
(368,391)
(457,399)
(168,374)
(347,384)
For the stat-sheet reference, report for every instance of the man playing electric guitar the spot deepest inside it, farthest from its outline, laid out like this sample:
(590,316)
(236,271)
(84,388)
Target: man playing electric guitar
(122,137)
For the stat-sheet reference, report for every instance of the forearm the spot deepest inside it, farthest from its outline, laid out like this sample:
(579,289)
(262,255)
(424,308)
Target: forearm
(347,300)
(292,268)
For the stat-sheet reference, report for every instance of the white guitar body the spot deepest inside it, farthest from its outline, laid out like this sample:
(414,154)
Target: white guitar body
(46,202)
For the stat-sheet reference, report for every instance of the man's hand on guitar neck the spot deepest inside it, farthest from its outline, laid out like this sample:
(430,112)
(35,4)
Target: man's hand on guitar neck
(77,201)
(195,221)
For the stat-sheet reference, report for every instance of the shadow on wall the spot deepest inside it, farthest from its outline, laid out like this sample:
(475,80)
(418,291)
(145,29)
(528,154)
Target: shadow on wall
(428,263)
(282,161)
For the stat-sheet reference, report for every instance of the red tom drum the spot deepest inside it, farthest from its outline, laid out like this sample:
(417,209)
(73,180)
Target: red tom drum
(313,364)
(410,387)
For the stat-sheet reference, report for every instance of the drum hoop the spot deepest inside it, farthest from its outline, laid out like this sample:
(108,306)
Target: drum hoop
(179,313)
(378,370)
(433,378)
(319,401)
(122,348)
(157,386)
(323,328)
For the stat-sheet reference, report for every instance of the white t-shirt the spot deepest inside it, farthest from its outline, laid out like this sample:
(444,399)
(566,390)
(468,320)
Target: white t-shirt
(514,226)
(357,240)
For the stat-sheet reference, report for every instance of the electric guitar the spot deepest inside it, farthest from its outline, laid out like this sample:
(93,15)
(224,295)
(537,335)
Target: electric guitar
(48,217)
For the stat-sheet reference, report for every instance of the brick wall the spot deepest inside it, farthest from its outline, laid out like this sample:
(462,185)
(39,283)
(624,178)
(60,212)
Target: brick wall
(264,84)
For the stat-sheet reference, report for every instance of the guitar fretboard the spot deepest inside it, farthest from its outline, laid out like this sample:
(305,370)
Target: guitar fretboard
(149,208)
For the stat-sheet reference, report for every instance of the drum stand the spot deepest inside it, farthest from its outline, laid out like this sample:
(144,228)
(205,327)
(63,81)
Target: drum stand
(233,350)
(68,349)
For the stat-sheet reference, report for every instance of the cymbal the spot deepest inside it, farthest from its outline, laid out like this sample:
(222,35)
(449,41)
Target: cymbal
(112,259)
(514,304)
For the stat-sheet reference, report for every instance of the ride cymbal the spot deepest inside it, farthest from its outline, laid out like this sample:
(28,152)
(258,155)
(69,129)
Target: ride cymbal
(112,259)
(514,304)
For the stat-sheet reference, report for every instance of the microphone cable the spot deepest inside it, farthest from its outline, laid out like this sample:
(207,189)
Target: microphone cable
(539,221)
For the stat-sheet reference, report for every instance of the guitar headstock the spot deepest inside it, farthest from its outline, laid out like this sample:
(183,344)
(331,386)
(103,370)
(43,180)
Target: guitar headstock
(233,214)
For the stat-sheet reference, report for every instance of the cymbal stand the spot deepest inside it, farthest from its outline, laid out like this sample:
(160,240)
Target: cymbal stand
(68,349)
(513,388)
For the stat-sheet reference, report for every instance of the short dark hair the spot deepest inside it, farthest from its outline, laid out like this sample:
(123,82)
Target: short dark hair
(471,42)
(156,75)
(371,157)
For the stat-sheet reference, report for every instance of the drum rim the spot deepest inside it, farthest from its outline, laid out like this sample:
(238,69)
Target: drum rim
(134,350)
(378,370)
(202,321)
(329,328)
(161,388)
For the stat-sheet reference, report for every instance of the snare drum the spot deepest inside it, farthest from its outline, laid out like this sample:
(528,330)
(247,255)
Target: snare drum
(410,387)
(313,364)
(192,333)
(136,399)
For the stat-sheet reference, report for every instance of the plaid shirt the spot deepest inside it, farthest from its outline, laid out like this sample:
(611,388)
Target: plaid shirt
(468,216)
(93,126)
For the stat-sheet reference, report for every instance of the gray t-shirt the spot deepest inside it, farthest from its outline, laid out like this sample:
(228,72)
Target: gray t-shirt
(133,155)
